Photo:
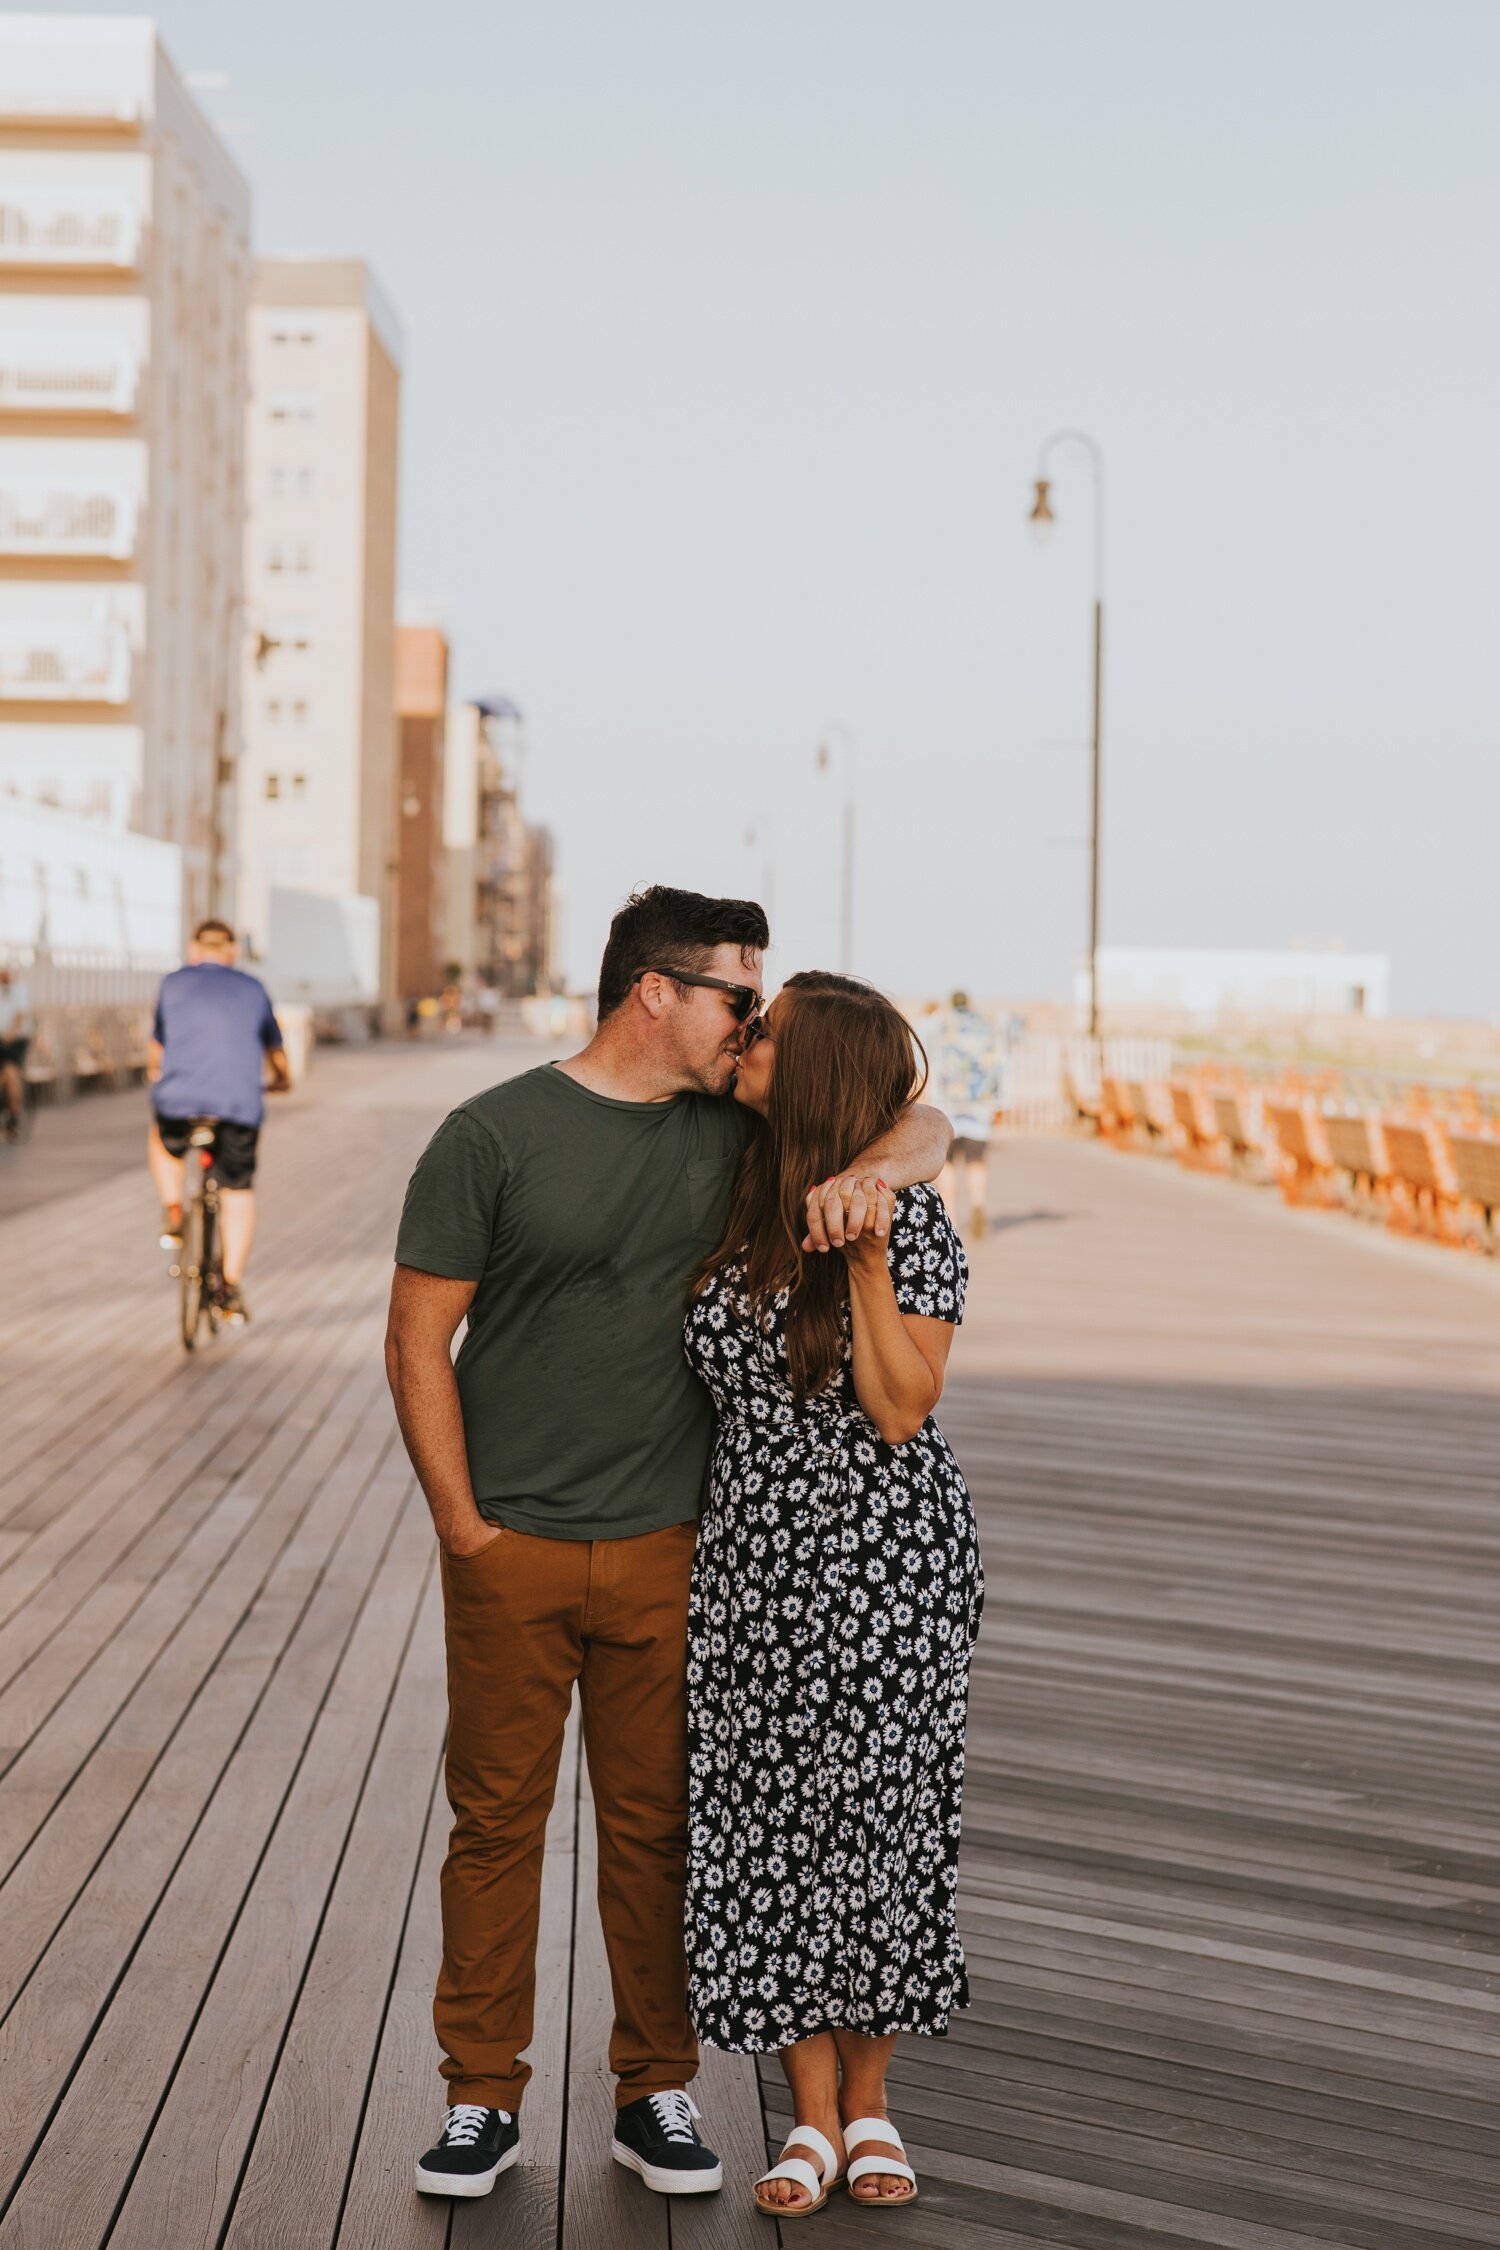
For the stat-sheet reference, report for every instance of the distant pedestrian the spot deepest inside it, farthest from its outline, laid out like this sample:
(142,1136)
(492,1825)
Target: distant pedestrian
(16,1027)
(968,1081)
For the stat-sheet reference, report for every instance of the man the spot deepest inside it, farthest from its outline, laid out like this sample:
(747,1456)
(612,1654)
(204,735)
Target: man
(967,1080)
(214,1034)
(564,1460)
(15,1039)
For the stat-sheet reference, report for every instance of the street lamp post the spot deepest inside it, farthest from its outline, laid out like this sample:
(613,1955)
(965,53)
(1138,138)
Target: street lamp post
(236,606)
(761,836)
(1042,520)
(844,736)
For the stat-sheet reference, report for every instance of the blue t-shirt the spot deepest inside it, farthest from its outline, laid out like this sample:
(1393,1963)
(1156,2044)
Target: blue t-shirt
(215,1026)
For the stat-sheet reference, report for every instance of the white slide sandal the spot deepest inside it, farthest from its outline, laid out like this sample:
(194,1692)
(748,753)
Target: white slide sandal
(861,2167)
(798,2170)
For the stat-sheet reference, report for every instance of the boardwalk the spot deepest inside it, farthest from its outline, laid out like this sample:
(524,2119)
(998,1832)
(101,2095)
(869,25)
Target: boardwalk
(1230,1878)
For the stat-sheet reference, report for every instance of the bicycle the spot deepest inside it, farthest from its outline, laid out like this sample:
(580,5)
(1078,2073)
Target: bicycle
(199,1270)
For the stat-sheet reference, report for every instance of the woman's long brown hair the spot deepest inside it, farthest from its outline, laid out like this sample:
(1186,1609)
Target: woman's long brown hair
(846,1066)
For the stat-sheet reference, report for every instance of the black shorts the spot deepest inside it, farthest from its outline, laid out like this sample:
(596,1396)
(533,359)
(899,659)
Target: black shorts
(13,1051)
(233,1145)
(966,1150)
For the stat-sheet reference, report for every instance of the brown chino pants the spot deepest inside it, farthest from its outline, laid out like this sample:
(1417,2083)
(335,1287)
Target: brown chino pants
(526,1618)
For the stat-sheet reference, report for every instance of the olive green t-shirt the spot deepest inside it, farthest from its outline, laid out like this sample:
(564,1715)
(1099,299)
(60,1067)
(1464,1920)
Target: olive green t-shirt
(580,1218)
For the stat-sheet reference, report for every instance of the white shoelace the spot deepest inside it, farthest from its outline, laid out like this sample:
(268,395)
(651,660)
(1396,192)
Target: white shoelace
(466,2123)
(675,2113)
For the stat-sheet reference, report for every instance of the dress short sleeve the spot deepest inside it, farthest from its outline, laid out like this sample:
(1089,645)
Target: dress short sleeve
(927,1259)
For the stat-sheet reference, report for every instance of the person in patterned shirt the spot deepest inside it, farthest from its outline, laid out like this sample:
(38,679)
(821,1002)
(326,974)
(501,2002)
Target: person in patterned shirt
(967,1074)
(836,1594)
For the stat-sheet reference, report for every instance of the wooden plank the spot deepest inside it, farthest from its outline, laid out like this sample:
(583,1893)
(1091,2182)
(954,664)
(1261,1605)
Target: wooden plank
(136,2043)
(728,2093)
(382,2210)
(522,2212)
(601,2200)
(118,1816)
(1231,1881)
(221,2080)
(294,2178)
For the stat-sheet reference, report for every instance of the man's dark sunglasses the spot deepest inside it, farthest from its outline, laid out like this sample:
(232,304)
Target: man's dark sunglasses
(744,1000)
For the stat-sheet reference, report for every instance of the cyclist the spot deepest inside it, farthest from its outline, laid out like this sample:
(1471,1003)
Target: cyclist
(215,1031)
(15,1038)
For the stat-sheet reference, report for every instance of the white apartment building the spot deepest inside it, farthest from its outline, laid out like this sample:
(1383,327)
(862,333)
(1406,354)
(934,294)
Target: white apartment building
(124,282)
(1208,982)
(320,776)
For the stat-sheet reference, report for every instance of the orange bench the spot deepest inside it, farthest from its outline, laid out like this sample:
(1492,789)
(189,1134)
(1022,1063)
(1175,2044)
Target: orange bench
(1236,1115)
(1116,1112)
(1303,1161)
(1153,1112)
(1087,1108)
(1476,1175)
(1198,1140)
(1356,1149)
(1424,1191)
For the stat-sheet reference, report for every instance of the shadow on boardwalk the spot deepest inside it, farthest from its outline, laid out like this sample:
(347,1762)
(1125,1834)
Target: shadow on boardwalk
(1230,1880)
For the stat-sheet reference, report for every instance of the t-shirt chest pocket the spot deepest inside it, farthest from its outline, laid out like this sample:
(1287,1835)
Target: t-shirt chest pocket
(709,1180)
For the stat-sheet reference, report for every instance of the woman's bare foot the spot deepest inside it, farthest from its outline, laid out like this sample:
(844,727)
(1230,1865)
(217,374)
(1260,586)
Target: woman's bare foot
(792,2195)
(879,2187)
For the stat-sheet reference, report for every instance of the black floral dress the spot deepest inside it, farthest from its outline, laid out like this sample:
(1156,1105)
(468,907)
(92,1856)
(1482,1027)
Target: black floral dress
(836,1596)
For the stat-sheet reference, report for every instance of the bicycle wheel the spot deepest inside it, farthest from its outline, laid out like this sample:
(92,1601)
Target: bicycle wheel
(213,1257)
(190,1271)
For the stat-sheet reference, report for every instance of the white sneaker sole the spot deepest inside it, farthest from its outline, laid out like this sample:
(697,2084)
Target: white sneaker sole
(666,2182)
(471,2183)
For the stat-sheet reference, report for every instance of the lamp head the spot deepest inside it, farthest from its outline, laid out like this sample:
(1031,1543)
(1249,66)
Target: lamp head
(1041,518)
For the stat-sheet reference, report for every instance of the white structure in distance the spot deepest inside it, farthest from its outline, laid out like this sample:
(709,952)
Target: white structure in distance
(320,776)
(85,895)
(1136,980)
(124,283)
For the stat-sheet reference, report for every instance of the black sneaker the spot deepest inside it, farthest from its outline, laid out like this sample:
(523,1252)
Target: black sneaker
(478,2144)
(230,1302)
(657,2137)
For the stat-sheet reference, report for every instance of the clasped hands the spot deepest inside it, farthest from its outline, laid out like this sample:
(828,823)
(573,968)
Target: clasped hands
(851,1211)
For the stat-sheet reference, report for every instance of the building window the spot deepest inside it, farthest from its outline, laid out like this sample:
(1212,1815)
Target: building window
(292,406)
(302,556)
(295,332)
(299,712)
(299,785)
(273,711)
(276,556)
(290,484)
(291,635)
(273,785)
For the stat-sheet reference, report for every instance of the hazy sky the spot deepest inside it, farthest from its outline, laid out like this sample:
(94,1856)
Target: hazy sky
(732,336)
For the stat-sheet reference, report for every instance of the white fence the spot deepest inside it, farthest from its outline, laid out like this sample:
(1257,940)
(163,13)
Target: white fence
(1042,1063)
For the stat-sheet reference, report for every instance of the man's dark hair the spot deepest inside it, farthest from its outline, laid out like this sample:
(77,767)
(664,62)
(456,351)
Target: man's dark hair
(213,932)
(662,928)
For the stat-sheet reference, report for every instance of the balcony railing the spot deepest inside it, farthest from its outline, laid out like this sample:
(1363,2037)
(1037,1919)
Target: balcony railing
(49,373)
(50,519)
(67,227)
(62,663)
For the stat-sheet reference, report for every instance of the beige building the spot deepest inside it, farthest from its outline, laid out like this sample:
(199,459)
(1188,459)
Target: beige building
(499,919)
(124,278)
(319,780)
(421,709)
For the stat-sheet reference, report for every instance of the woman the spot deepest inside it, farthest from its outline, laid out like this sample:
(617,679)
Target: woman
(835,1599)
